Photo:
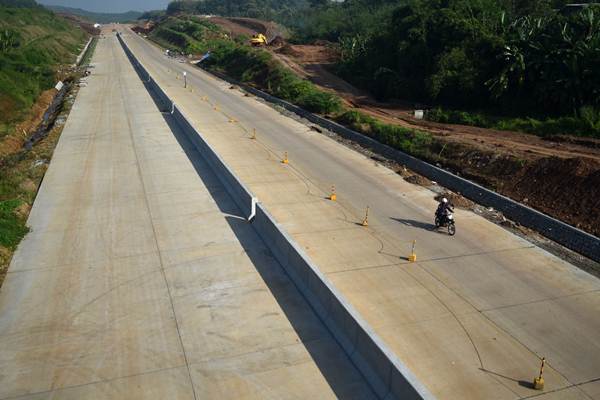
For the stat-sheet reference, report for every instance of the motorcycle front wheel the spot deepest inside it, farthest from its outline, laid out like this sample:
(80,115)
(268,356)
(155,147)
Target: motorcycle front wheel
(451,229)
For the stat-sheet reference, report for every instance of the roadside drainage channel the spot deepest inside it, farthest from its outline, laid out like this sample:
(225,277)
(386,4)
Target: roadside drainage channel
(383,370)
(572,238)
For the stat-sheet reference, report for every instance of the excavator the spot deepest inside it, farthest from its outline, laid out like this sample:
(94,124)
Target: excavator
(258,40)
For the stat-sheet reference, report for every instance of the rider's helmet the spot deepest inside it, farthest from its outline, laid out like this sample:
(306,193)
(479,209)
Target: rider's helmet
(444,200)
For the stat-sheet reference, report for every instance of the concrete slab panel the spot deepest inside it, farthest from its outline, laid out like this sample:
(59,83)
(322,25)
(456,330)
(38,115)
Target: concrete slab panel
(217,323)
(343,250)
(119,334)
(76,288)
(399,295)
(199,230)
(561,342)
(280,373)
(84,245)
(471,357)
(489,284)
(190,202)
(312,217)
(224,271)
(591,389)
(170,383)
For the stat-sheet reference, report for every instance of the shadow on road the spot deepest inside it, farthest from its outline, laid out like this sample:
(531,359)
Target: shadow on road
(339,372)
(340,375)
(415,224)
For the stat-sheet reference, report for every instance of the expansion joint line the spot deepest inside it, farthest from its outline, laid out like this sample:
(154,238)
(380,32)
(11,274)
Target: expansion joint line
(161,257)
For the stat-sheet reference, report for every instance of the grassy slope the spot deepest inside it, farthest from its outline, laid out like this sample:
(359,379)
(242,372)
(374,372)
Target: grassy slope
(238,60)
(45,42)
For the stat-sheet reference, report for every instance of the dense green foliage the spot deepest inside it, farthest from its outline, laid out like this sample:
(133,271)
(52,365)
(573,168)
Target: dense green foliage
(102,18)
(153,15)
(522,58)
(239,61)
(19,3)
(33,41)
(280,10)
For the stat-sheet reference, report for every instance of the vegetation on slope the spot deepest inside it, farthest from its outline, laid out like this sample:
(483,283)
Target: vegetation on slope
(34,43)
(281,10)
(197,35)
(515,59)
(526,65)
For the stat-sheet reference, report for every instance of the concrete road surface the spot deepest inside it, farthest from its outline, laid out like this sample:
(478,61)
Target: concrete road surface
(472,318)
(140,281)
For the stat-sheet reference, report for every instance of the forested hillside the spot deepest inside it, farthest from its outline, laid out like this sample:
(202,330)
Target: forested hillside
(534,57)
(102,18)
(280,10)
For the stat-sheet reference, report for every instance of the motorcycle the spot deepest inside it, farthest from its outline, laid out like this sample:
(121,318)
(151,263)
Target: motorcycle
(446,221)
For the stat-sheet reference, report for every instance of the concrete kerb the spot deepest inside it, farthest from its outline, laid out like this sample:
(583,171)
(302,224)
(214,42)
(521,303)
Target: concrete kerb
(366,350)
(562,233)
(241,195)
(387,375)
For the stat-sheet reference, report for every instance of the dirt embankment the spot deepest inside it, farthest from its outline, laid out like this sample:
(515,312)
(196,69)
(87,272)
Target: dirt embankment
(566,188)
(82,22)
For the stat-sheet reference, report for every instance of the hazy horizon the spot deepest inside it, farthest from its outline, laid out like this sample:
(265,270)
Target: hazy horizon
(110,6)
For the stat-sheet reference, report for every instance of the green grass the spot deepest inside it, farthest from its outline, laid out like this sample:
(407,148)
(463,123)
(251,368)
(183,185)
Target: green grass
(587,124)
(411,141)
(39,42)
(12,226)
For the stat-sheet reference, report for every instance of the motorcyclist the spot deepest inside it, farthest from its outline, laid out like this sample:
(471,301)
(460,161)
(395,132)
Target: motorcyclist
(444,208)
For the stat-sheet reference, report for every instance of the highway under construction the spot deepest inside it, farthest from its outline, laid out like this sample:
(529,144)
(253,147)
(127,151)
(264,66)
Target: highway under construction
(185,245)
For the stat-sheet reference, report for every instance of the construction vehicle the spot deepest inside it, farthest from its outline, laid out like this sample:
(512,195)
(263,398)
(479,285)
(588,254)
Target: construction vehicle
(258,40)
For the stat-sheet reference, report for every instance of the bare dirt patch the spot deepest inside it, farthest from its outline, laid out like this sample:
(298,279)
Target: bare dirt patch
(455,199)
(418,180)
(12,143)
